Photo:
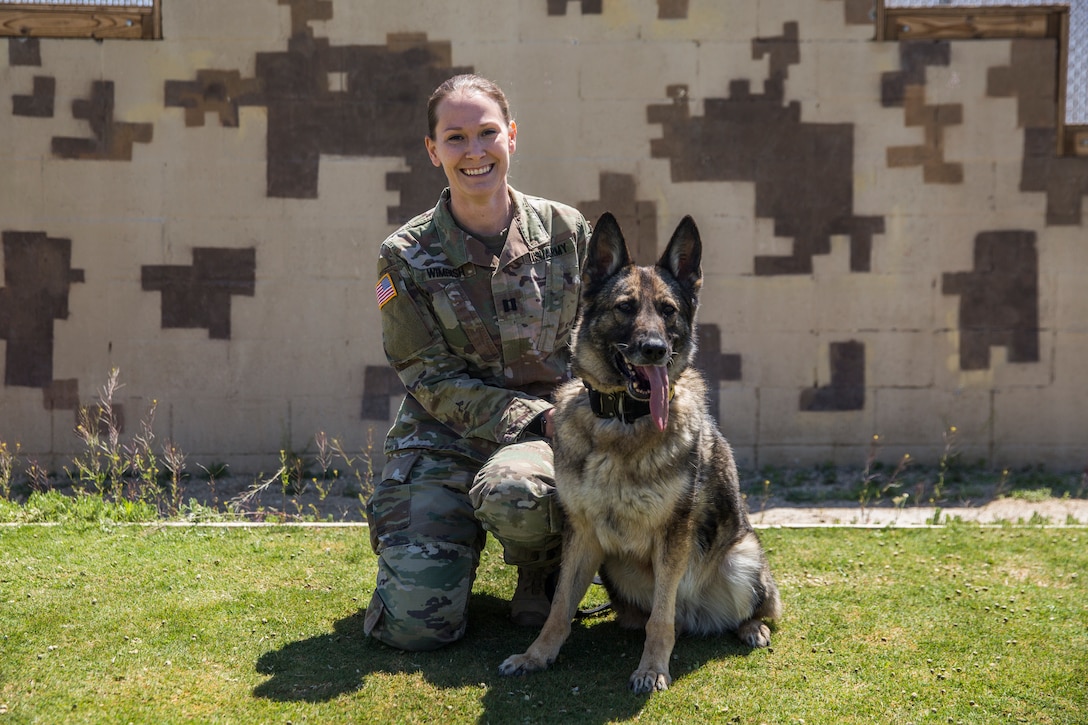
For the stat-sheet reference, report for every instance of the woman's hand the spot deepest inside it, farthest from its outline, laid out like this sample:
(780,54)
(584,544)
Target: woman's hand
(549,426)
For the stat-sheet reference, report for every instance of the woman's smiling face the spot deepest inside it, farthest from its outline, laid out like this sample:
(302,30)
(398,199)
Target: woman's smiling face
(472,144)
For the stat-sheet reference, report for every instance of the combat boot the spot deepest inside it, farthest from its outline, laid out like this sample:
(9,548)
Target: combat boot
(532,599)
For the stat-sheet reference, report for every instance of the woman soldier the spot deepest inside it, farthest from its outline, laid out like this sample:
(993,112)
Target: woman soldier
(477,299)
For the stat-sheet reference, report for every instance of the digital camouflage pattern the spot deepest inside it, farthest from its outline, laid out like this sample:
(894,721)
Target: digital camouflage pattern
(480,340)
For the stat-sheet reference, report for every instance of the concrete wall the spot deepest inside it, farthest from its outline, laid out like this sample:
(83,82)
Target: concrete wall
(893,247)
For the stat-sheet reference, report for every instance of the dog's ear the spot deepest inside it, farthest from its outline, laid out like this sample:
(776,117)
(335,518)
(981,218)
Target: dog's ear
(607,253)
(683,258)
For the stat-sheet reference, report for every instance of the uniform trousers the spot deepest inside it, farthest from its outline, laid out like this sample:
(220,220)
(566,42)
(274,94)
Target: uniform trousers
(428,520)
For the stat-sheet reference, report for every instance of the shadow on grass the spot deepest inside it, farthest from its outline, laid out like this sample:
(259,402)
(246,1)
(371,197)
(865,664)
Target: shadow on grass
(588,682)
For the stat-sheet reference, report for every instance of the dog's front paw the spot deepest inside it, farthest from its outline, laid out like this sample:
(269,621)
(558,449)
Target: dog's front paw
(643,681)
(521,664)
(754,633)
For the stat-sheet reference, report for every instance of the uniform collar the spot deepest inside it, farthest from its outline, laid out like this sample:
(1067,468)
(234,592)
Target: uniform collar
(527,232)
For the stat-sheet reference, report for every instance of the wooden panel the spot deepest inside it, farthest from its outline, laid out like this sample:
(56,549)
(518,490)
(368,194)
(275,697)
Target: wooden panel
(960,23)
(134,24)
(1077,138)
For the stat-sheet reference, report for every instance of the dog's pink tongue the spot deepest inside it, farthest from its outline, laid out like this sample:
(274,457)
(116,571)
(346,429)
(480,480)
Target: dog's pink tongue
(658,375)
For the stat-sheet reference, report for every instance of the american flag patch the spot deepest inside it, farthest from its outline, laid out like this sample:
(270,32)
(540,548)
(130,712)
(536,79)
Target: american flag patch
(384,290)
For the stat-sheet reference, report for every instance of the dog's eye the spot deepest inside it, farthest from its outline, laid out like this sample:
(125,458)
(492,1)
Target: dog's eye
(626,307)
(667,310)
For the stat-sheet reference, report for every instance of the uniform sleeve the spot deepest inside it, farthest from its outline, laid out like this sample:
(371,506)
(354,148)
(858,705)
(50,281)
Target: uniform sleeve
(437,378)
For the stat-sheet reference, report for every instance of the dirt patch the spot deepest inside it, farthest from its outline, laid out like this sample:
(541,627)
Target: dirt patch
(1048,512)
(340,500)
(915,496)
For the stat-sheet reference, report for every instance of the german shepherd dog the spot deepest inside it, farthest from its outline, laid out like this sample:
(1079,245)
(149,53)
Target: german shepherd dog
(646,481)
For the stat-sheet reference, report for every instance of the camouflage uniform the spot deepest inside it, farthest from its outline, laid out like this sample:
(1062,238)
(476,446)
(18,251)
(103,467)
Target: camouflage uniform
(479,338)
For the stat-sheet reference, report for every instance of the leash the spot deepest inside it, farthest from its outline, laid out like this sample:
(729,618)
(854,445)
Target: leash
(597,610)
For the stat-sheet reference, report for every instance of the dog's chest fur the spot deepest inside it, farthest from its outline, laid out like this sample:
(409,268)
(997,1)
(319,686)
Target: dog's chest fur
(626,481)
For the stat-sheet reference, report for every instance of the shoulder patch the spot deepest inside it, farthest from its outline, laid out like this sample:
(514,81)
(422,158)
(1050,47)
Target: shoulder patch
(384,290)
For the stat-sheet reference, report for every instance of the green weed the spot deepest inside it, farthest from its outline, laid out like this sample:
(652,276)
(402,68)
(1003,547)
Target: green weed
(8,458)
(56,507)
(1034,495)
(874,485)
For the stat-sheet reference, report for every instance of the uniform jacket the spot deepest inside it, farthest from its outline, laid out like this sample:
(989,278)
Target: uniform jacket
(480,341)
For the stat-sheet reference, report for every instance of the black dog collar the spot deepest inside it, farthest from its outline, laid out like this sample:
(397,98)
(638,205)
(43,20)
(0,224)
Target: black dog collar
(618,405)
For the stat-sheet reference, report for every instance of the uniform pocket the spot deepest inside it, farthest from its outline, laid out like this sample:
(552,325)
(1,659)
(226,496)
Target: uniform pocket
(420,600)
(389,508)
(560,300)
(462,325)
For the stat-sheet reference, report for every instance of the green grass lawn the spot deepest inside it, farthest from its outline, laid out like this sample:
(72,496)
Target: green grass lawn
(155,624)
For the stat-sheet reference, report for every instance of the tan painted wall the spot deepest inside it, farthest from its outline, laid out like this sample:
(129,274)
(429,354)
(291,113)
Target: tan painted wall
(893,248)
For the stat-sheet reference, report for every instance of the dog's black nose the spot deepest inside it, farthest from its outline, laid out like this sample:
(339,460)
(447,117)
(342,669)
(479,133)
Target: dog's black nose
(653,351)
